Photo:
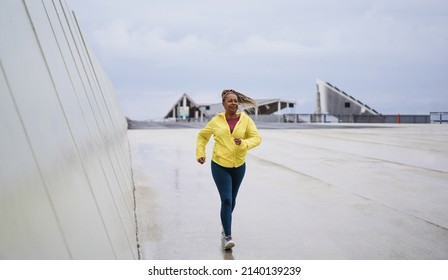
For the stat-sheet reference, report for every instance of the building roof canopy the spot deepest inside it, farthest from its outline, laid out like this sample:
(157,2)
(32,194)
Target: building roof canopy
(265,107)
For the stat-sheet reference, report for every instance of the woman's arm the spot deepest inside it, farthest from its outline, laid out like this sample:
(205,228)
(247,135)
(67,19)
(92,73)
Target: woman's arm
(252,138)
(202,140)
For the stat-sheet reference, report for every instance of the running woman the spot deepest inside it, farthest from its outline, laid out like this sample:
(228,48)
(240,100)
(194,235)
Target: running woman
(234,133)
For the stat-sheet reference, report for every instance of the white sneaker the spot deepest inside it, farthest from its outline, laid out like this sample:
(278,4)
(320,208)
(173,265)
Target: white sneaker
(228,242)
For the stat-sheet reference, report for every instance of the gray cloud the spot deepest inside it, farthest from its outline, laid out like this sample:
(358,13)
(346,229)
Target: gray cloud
(390,54)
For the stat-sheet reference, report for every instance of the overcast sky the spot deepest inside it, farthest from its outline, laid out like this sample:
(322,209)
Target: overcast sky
(390,54)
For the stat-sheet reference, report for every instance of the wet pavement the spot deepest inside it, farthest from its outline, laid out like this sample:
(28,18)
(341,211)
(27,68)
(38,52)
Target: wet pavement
(351,192)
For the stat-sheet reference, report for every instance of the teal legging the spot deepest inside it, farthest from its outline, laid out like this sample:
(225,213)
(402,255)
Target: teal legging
(228,181)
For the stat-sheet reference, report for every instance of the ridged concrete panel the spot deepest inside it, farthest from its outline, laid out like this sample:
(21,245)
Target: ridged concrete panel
(336,102)
(66,186)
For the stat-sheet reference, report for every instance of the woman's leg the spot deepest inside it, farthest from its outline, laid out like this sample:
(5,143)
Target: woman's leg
(237,179)
(223,181)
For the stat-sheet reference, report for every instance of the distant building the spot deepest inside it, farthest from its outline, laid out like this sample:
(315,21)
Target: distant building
(186,108)
(332,105)
(333,101)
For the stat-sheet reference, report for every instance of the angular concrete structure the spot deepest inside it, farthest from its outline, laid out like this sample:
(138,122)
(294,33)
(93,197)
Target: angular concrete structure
(333,101)
(66,188)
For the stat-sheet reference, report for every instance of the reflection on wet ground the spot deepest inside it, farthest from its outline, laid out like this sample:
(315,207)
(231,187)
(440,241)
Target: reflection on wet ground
(347,193)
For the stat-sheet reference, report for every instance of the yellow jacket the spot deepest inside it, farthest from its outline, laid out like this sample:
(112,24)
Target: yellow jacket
(225,152)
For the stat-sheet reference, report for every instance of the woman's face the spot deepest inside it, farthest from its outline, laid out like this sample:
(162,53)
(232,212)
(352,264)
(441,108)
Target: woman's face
(230,103)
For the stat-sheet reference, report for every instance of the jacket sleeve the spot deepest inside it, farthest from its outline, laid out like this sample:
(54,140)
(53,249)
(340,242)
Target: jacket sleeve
(253,138)
(203,138)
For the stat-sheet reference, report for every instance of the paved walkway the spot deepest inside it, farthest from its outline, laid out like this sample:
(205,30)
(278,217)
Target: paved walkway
(356,192)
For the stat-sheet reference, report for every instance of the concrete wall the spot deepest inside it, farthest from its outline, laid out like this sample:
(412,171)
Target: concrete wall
(66,188)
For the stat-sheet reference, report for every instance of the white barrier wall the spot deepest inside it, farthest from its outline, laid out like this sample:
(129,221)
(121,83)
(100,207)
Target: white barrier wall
(66,188)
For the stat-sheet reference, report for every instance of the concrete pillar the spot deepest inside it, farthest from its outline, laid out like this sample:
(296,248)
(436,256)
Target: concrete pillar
(318,106)
(279,109)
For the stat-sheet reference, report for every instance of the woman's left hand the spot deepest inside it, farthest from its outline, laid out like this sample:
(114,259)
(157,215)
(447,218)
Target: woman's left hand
(237,141)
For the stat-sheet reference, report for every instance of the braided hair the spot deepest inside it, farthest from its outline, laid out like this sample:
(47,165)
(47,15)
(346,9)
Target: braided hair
(245,101)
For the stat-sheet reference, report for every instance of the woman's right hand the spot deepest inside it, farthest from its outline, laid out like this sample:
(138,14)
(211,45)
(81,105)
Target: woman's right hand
(201,160)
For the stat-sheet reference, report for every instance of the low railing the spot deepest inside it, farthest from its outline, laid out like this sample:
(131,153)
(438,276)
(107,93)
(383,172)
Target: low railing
(326,118)
(433,117)
(439,117)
